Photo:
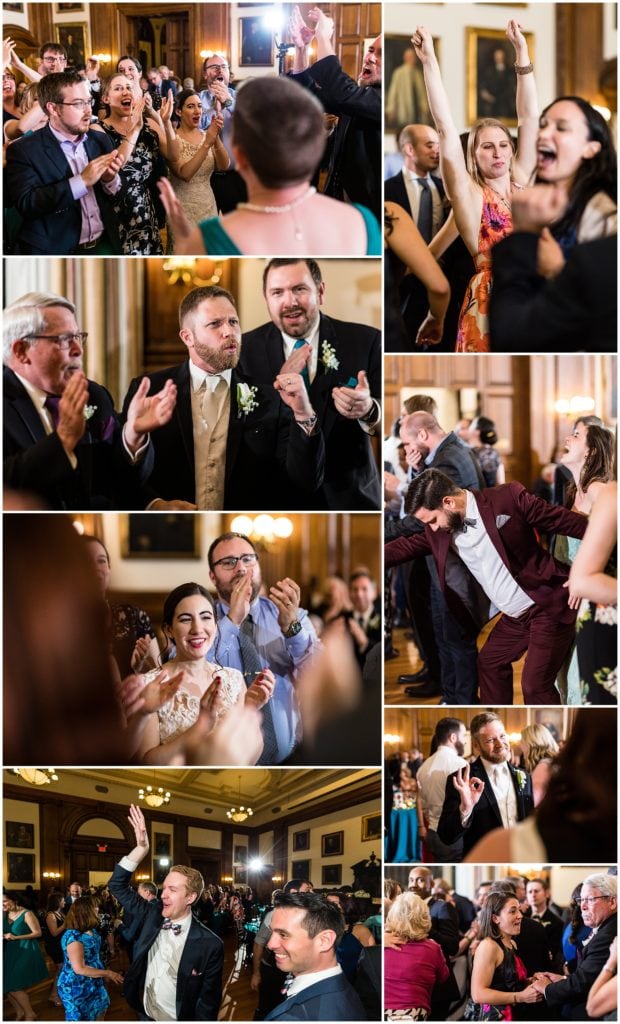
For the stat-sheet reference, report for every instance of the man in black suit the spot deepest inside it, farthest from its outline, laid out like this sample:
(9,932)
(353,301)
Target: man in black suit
(176,972)
(599,908)
(489,793)
(354,171)
(234,441)
(365,621)
(341,365)
(305,930)
(62,440)
(444,931)
(62,178)
(538,910)
(428,444)
(576,310)
(75,891)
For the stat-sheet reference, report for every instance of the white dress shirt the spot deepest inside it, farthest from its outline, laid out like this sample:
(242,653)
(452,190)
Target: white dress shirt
(504,791)
(414,191)
(302,981)
(476,549)
(431,780)
(160,983)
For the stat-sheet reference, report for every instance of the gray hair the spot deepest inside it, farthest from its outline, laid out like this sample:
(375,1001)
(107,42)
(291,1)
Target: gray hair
(25,317)
(606,884)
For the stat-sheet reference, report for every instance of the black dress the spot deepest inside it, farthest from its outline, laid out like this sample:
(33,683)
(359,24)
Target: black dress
(509,976)
(597,647)
(128,625)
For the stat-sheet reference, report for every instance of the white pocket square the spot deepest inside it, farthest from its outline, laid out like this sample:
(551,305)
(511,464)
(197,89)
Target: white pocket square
(501,521)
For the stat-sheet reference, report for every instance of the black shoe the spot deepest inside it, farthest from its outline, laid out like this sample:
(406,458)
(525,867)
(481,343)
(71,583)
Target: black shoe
(430,690)
(416,678)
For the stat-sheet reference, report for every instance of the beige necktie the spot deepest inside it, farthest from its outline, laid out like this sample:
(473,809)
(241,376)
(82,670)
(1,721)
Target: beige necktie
(212,399)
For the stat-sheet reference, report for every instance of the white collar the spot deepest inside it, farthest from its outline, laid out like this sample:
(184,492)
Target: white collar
(311,336)
(35,394)
(489,766)
(198,376)
(302,981)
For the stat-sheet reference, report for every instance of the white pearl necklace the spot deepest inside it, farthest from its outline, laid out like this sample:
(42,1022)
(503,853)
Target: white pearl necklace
(284,208)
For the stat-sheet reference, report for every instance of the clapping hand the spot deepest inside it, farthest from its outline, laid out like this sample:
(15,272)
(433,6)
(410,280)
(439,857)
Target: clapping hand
(323,24)
(148,412)
(293,392)
(354,403)
(213,131)
(71,411)
(261,690)
(298,358)
(140,657)
(137,699)
(299,32)
(167,106)
(469,790)
(286,596)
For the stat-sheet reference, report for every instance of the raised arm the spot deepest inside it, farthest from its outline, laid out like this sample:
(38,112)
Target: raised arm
(587,576)
(527,106)
(407,243)
(457,181)
(136,819)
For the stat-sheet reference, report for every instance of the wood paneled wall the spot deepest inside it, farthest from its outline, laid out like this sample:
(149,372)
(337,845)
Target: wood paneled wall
(416,728)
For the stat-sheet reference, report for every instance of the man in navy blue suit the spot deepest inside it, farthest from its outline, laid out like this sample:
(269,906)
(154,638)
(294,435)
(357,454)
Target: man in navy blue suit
(62,178)
(176,972)
(305,930)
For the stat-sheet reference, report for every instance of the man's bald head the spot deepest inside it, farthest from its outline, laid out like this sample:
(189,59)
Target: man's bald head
(419,421)
(419,144)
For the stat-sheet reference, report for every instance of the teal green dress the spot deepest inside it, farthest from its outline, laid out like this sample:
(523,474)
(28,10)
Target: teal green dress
(218,243)
(23,965)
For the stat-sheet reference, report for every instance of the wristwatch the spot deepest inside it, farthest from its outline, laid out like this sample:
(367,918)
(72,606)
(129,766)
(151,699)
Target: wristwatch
(293,629)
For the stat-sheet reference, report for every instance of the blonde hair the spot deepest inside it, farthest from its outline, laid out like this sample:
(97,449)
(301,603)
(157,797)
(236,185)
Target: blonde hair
(409,917)
(194,882)
(541,745)
(472,143)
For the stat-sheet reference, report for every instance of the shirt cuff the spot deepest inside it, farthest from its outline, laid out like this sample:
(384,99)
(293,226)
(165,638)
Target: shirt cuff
(139,454)
(77,186)
(112,187)
(369,426)
(128,864)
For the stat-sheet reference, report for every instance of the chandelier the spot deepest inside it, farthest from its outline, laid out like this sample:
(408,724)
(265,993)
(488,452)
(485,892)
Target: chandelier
(37,776)
(154,797)
(239,814)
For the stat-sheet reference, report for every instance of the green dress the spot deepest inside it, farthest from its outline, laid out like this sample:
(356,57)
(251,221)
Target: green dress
(23,963)
(218,243)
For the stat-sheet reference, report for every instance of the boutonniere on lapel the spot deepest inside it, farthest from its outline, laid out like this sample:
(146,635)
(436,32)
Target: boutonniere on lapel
(328,356)
(89,412)
(246,398)
(374,622)
(521,779)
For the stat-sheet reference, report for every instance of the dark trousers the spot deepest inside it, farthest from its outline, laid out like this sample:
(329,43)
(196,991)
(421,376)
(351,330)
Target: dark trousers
(416,582)
(228,189)
(270,991)
(457,652)
(547,643)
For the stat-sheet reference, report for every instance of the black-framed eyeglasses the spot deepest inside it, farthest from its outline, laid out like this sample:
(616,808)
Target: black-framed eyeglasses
(591,899)
(58,59)
(78,104)
(230,562)
(63,340)
(217,67)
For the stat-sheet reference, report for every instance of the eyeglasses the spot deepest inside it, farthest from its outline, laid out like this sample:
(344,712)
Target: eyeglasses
(591,899)
(78,104)
(231,561)
(55,60)
(64,341)
(217,67)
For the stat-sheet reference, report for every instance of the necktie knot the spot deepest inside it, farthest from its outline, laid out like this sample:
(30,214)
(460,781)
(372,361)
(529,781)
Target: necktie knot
(468,524)
(169,925)
(52,403)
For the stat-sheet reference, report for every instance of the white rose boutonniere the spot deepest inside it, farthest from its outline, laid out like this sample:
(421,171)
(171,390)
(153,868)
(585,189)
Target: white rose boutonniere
(246,398)
(89,410)
(328,356)
(521,780)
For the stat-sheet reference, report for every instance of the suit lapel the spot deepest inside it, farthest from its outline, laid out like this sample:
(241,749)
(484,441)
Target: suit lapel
(25,409)
(488,517)
(325,380)
(235,426)
(54,153)
(488,789)
(183,412)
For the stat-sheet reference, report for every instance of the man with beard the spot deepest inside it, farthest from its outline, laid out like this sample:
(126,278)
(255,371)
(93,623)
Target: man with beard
(487,794)
(231,442)
(354,171)
(340,364)
(62,439)
(494,533)
(450,734)
(219,98)
(61,179)
(261,632)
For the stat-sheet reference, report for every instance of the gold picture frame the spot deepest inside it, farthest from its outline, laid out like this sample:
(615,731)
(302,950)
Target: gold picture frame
(160,535)
(371,827)
(482,76)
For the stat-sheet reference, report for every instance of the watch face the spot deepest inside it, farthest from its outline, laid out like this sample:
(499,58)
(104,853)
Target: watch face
(293,629)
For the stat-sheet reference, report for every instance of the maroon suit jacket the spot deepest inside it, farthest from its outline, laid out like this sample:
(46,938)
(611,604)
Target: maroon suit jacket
(534,569)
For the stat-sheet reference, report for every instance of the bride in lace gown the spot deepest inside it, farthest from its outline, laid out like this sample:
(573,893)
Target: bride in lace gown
(200,154)
(188,708)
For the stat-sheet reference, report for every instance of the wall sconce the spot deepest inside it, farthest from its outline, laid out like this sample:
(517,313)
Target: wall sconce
(264,529)
(103,58)
(213,53)
(143,877)
(391,737)
(51,874)
(576,405)
(182,270)
(226,878)
(276,878)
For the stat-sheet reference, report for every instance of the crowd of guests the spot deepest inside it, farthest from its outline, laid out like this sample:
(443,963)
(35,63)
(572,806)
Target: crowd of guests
(505,802)
(330,936)
(521,229)
(549,563)
(508,953)
(241,677)
(133,163)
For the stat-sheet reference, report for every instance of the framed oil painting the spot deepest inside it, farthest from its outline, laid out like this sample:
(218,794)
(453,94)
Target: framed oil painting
(491,80)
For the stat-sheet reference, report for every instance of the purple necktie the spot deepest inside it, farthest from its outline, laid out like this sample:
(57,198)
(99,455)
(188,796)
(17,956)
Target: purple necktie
(168,924)
(51,404)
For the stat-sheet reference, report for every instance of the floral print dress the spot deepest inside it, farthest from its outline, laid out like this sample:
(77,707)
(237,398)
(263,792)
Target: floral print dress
(495,224)
(135,206)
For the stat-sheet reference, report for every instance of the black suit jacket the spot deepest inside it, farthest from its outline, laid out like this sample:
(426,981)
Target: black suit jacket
(356,155)
(395,190)
(351,480)
(199,981)
(267,454)
(533,946)
(37,182)
(330,999)
(572,994)
(485,815)
(575,311)
(36,462)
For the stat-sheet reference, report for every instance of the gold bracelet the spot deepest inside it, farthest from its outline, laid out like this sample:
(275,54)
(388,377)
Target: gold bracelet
(525,70)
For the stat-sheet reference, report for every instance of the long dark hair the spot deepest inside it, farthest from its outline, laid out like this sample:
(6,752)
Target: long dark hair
(598,174)
(598,464)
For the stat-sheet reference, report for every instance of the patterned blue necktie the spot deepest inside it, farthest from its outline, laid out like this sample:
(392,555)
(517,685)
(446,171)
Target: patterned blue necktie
(306,376)
(170,925)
